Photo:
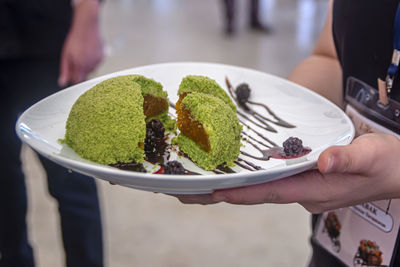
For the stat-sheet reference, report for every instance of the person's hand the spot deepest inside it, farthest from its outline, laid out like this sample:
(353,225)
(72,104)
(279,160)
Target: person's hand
(366,170)
(83,47)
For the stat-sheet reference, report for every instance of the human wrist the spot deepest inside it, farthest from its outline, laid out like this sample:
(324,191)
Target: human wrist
(75,3)
(85,14)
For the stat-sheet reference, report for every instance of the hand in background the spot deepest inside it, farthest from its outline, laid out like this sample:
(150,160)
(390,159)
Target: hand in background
(363,171)
(83,46)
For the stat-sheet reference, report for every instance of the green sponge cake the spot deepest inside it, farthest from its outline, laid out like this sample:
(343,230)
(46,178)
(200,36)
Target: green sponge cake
(203,84)
(107,124)
(209,130)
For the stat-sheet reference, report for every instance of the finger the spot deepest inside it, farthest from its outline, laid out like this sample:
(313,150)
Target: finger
(301,187)
(77,72)
(353,158)
(80,76)
(203,199)
(64,76)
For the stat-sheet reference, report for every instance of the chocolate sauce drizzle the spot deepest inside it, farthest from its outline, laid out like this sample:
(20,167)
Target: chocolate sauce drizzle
(266,155)
(252,167)
(262,122)
(172,105)
(255,114)
(266,126)
(225,169)
(260,135)
(253,139)
(131,166)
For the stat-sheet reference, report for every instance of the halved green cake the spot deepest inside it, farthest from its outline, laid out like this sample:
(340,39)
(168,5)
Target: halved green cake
(107,123)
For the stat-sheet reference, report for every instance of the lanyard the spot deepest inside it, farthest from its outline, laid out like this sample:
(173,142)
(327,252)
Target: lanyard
(394,66)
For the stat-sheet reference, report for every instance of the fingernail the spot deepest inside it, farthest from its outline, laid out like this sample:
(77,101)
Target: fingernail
(219,198)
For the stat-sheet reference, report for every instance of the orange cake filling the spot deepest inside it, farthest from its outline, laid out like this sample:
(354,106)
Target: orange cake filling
(190,127)
(153,106)
(141,145)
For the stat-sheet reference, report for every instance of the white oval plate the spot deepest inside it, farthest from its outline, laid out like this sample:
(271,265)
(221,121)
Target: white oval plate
(319,123)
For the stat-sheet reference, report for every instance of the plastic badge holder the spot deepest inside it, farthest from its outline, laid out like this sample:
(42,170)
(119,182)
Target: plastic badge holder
(365,99)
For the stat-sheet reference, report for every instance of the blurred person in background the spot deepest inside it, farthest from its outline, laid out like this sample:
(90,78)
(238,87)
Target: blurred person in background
(355,61)
(44,46)
(254,16)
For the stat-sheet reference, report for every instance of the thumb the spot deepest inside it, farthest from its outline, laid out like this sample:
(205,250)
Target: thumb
(352,158)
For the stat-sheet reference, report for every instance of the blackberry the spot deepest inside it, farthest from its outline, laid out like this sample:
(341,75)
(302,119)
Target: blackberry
(150,142)
(293,146)
(154,134)
(243,93)
(174,167)
(158,128)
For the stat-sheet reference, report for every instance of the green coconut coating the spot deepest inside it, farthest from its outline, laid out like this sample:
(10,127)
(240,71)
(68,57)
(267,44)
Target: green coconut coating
(222,126)
(106,124)
(203,84)
(148,86)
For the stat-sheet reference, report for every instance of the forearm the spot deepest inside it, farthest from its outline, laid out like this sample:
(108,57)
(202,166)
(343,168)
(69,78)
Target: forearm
(321,74)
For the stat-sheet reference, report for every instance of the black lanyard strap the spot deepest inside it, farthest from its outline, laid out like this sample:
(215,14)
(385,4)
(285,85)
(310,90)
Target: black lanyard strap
(394,66)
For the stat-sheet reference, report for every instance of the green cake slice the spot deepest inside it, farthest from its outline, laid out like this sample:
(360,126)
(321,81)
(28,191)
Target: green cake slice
(209,130)
(203,84)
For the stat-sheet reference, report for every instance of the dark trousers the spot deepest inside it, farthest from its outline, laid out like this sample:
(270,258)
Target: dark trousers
(230,9)
(22,83)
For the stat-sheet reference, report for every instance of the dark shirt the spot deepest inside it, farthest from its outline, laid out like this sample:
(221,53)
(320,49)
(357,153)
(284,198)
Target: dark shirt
(363,36)
(33,28)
